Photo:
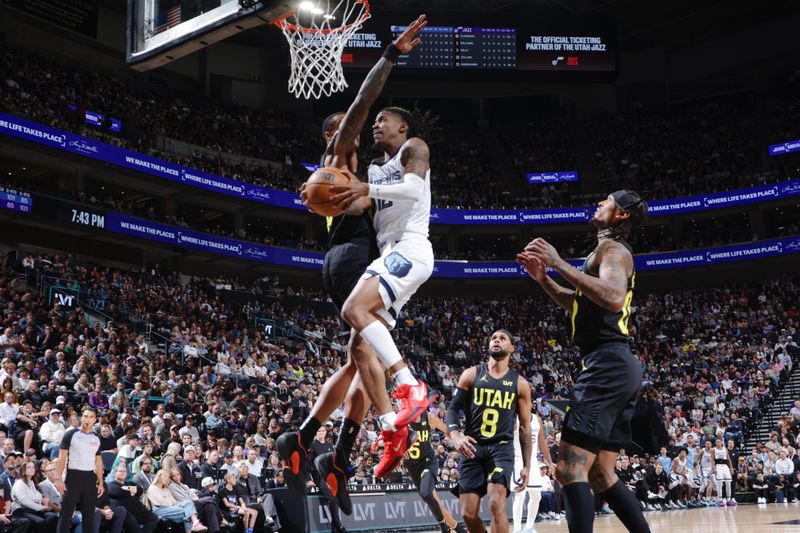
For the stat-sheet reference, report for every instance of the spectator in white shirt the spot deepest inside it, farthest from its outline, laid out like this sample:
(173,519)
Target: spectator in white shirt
(222,368)
(129,449)
(51,433)
(8,411)
(795,411)
(28,502)
(254,463)
(784,465)
(190,430)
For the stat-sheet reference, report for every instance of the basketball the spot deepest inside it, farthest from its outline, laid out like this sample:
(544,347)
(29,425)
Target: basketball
(318,189)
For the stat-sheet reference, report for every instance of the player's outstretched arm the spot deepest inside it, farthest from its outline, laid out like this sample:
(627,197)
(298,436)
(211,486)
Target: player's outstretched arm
(356,116)
(536,270)
(524,406)
(609,289)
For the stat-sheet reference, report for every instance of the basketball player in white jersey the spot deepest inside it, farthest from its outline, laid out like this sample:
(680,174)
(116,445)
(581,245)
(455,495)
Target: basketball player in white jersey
(399,183)
(534,488)
(680,478)
(705,463)
(723,469)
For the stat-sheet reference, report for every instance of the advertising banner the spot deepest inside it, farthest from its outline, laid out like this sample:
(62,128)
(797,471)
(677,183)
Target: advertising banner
(76,144)
(553,177)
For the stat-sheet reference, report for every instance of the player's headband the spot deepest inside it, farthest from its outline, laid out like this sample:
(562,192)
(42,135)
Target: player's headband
(631,202)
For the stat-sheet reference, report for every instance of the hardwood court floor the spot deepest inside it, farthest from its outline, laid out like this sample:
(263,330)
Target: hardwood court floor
(772,518)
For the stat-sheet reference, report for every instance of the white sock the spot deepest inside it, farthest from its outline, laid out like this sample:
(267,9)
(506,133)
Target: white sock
(519,503)
(404,377)
(533,506)
(387,421)
(381,341)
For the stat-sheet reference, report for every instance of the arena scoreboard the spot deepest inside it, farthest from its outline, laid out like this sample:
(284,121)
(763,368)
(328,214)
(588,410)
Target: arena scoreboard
(576,45)
(15,200)
(462,48)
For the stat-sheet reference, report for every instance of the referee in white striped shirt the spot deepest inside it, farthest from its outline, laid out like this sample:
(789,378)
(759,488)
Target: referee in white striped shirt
(79,452)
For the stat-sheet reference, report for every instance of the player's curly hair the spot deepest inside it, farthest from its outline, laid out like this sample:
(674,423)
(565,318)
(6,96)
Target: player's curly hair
(407,117)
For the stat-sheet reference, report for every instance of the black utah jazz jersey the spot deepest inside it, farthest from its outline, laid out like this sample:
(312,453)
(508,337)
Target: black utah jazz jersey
(492,408)
(343,229)
(422,450)
(591,324)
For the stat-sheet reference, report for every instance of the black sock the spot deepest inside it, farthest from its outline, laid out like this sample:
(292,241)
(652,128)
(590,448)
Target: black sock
(347,439)
(308,430)
(626,507)
(579,504)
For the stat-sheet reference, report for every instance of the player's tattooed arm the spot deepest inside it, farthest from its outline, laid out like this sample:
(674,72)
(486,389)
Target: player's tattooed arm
(371,88)
(609,289)
(356,116)
(416,157)
(536,270)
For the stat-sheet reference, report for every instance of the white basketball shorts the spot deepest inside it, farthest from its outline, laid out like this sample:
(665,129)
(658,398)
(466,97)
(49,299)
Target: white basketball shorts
(402,268)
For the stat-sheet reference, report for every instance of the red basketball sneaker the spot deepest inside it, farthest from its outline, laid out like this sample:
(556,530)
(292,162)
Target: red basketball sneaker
(413,402)
(395,445)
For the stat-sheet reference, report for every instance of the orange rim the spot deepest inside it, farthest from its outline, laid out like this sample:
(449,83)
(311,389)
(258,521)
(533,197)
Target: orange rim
(281,22)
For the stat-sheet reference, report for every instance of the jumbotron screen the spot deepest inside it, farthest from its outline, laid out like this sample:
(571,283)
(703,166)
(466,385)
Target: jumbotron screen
(578,45)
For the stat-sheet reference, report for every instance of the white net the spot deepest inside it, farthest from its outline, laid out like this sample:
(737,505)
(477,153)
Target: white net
(317,33)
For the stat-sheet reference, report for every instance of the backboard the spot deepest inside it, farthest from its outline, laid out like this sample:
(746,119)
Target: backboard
(160,31)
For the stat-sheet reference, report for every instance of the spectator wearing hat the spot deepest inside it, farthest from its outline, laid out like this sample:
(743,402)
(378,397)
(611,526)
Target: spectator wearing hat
(51,433)
(190,468)
(163,429)
(129,496)
(9,475)
(228,466)
(172,438)
(131,447)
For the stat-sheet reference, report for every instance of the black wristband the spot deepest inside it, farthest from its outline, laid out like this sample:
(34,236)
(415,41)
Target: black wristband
(391,53)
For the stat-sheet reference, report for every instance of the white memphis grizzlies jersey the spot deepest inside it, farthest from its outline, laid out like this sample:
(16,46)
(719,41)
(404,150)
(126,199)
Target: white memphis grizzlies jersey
(395,219)
(534,443)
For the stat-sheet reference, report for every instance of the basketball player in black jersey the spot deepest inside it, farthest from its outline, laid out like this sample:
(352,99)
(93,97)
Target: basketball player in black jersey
(493,397)
(352,248)
(598,417)
(423,467)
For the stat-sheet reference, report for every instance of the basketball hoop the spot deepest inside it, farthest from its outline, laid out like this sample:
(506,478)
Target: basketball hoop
(317,32)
